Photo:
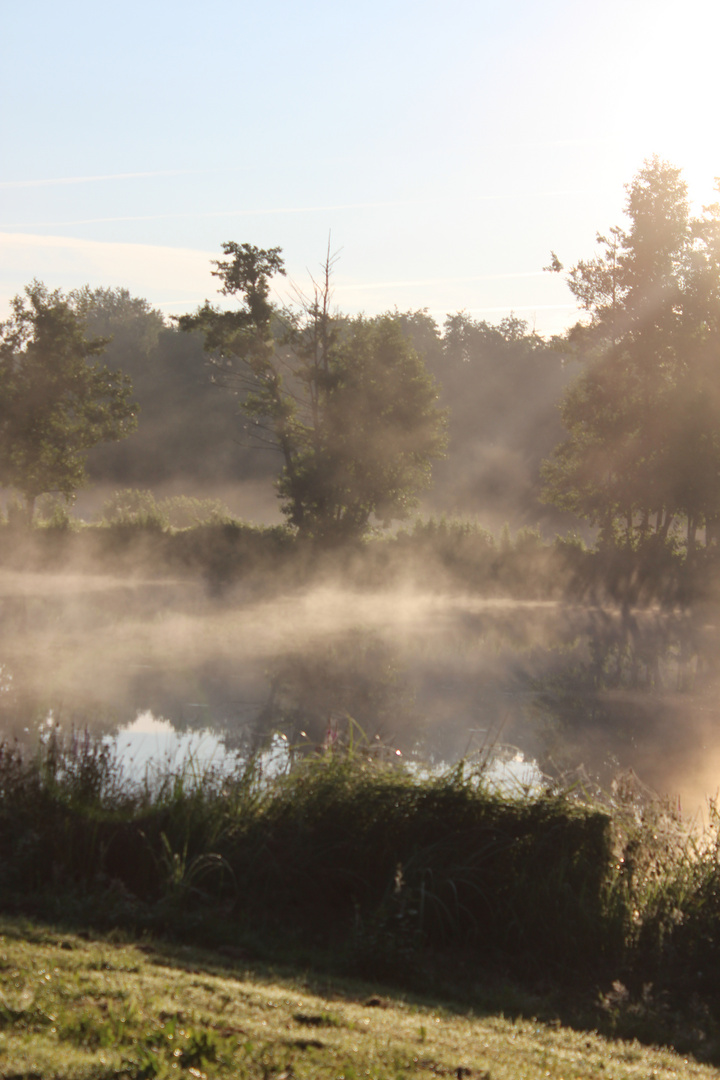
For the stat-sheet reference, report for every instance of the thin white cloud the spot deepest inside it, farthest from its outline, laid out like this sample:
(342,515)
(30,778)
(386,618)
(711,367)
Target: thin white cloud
(52,181)
(119,252)
(211,214)
(69,262)
(279,210)
(436,281)
(159,273)
(33,240)
(524,307)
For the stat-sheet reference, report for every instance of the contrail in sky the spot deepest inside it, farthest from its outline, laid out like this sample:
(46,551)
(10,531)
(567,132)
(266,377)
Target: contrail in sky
(50,181)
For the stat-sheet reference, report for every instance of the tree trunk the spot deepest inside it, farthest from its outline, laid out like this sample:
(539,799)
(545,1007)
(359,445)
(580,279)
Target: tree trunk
(712,532)
(628,527)
(691,536)
(665,528)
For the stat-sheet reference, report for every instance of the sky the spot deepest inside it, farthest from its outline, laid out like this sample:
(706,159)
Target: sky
(441,150)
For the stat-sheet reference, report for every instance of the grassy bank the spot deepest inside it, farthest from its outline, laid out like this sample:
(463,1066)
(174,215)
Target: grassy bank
(91,1008)
(348,864)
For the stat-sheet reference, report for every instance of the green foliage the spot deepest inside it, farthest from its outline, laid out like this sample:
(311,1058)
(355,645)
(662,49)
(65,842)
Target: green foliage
(186,512)
(462,552)
(643,418)
(113,313)
(339,842)
(136,508)
(58,401)
(16,512)
(53,513)
(187,426)
(347,403)
(137,529)
(500,384)
(368,449)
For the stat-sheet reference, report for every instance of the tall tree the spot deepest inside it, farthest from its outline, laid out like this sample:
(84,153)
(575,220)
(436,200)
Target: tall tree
(643,437)
(56,399)
(346,402)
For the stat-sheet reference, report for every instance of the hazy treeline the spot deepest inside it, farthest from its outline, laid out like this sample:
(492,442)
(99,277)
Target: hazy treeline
(139,535)
(188,427)
(501,385)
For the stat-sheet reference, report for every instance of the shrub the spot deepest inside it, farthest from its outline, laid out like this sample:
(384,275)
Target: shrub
(186,512)
(53,513)
(134,508)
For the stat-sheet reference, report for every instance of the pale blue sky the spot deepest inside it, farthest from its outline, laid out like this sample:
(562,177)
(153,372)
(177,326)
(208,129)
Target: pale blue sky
(446,147)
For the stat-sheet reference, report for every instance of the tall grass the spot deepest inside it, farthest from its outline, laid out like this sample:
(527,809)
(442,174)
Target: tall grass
(349,853)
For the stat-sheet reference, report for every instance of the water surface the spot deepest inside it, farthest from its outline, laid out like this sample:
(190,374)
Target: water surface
(435,677)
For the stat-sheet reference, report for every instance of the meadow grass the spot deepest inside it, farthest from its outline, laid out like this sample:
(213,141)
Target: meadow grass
(87,1007)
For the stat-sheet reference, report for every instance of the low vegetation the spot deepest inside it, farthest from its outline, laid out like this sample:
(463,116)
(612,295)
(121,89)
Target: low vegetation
(139,534)
(346,863)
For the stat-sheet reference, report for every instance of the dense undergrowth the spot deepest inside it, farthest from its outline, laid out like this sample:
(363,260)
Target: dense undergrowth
(353,863)
(180,535)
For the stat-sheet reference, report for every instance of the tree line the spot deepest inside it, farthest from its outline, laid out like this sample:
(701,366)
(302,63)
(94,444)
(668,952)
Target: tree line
(353,413)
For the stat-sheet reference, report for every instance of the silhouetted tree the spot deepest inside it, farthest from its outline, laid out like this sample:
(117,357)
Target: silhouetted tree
(347,402)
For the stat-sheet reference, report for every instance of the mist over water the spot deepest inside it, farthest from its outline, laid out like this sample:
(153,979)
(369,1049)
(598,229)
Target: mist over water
(438,677)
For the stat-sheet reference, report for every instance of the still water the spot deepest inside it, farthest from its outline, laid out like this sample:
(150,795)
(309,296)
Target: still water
(171,670)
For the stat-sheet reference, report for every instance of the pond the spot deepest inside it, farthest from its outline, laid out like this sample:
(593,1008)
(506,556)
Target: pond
(433,677)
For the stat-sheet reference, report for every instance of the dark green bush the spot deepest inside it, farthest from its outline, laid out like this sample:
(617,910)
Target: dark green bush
(340,846)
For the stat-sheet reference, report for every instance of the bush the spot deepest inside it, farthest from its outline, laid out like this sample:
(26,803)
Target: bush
(53,513)
(341,848)
(186,512)
(134,508)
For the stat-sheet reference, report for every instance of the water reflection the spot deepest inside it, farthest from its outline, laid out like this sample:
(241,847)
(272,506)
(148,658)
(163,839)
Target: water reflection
(437,677)
(152,744)
(638,689)
(357,681)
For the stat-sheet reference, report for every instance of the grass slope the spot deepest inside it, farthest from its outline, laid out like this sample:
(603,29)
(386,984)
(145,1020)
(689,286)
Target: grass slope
(72,1007)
